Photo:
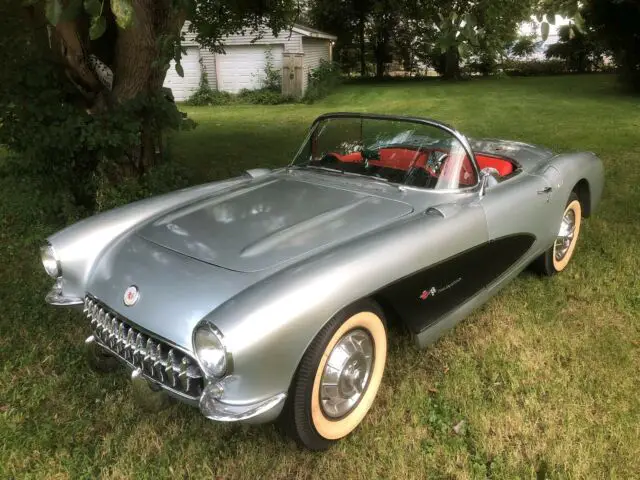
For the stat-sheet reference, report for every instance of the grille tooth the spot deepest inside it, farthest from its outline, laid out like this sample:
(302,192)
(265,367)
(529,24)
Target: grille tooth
(159,364)
(171,363)
(150,356)
(184,379)
(122,338)
(130,345)
(139,353)
(157,359)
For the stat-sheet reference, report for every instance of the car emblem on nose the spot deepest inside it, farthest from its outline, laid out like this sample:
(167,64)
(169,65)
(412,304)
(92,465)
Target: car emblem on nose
(131,296)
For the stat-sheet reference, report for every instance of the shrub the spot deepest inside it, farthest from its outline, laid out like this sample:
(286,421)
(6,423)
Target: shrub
(322,80)
(527,68)
(164,178)
(272,76)
(206,96)
(263,96)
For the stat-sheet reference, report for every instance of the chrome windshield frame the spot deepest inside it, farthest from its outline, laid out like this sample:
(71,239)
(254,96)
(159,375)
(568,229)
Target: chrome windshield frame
(396,118)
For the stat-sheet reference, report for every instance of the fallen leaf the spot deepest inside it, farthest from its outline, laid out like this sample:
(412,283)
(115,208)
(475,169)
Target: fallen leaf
(458,427)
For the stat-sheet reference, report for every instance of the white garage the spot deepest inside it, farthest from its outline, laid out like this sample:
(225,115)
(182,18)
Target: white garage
(243,63)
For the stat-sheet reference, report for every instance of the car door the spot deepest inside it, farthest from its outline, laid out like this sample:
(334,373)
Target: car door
(517,211)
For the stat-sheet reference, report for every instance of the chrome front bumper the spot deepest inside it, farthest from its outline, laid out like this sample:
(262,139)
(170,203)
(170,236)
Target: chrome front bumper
(160,369)
(153,395)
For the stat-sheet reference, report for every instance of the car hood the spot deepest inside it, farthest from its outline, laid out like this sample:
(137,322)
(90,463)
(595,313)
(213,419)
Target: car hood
(270,221)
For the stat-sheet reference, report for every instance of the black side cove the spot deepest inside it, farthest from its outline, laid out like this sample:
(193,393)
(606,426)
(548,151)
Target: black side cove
(424,297)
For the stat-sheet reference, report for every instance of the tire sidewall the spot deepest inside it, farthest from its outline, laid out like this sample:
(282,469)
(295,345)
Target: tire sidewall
(302,391)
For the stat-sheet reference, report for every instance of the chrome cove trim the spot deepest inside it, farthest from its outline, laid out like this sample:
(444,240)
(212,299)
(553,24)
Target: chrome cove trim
(159,362)
(265,411)
(57,298)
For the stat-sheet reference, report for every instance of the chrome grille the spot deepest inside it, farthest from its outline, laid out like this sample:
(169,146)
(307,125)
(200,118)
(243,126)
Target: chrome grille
(158,360)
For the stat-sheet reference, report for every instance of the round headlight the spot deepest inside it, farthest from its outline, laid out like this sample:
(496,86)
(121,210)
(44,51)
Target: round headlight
(50,261)
(210,350)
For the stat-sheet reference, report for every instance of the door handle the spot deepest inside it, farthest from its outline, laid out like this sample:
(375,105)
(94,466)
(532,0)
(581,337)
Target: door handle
(546,190)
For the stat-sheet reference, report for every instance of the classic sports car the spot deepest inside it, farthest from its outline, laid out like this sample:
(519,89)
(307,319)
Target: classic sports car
(264,297)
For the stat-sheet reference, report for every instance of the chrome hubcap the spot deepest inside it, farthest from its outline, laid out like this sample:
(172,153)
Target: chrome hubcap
(346,374)
(565,235)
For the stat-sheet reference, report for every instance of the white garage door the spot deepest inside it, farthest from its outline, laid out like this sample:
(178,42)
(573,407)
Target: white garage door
(243,66)
(183,87)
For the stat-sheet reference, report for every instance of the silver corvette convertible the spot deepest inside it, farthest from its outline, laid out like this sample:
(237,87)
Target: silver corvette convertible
(265,296)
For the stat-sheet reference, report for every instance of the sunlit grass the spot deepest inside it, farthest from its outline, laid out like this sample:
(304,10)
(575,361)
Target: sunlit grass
(545,377)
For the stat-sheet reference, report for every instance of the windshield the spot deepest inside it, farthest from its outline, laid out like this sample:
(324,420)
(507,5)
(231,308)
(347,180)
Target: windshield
(398,151)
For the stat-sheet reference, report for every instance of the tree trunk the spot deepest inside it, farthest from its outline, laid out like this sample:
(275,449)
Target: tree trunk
(139,70)
(380,62)
(452,64)
(362,45)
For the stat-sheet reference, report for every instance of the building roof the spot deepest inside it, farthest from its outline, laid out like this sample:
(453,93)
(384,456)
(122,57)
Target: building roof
(312,32)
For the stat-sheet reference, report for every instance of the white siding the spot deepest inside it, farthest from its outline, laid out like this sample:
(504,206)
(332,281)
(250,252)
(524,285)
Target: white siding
(209,65)
(244,61)
(314,51)
(242,66)
(183,87)
(291,41)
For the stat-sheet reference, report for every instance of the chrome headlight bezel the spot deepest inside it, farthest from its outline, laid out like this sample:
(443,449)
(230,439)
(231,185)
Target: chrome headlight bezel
(210,350)
(50,261)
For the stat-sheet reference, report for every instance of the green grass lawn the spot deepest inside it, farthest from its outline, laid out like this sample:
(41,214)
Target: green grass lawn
(545,377)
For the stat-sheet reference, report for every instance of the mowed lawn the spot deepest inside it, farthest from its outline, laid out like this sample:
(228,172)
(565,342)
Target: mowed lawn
(545,378)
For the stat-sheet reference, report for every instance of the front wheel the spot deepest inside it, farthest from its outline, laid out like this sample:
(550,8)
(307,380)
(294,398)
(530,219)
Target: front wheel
(558,256)
(338,377)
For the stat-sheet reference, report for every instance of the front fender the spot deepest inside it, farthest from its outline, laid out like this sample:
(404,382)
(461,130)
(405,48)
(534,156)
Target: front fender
(268,327)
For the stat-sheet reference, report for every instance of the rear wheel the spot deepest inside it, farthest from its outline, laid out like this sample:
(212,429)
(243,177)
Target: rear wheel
(558,256)
(338,377)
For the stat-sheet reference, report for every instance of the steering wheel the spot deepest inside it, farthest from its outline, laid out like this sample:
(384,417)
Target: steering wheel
(435,162)
(328,158)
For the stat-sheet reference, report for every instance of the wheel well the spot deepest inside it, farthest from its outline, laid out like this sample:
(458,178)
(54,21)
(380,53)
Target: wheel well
(584,195)
(393,318)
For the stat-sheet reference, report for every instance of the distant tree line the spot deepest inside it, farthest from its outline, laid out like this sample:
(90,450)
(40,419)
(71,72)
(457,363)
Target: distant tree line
(375,36)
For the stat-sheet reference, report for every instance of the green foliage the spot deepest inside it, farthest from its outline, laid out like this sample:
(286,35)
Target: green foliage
(53,10)
(206,96)
(262,96)
(163,178)
(578,49)
(524,46)
(123,11)
(271,76)
(322,80)
(73,147)
(615,23)
(528,68)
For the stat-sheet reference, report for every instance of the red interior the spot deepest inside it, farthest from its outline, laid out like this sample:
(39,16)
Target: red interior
(403,159)
(504,167)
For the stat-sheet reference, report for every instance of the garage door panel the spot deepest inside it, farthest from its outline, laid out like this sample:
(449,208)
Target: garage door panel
(243,66)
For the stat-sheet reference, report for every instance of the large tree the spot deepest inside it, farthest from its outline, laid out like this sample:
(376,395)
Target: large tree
(81,81)
(616,23)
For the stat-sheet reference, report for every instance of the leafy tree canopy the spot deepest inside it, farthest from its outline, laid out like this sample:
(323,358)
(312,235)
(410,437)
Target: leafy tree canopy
(81,97)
